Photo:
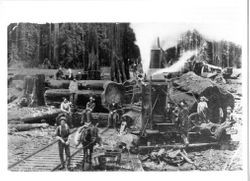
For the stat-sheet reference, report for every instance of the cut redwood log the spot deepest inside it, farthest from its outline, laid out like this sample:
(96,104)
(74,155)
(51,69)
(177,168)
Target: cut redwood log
(82,84)
(26,127)
(190,87)
(32,115)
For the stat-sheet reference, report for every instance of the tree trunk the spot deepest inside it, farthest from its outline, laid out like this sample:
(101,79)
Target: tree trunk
(56,35)
(34,88)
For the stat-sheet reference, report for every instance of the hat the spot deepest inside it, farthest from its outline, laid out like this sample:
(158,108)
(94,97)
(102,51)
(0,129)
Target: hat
(91,98)
(203,98)
(62,118)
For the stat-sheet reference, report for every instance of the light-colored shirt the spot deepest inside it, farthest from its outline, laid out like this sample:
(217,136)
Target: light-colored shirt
(65,106)
(202,107)
(73,86)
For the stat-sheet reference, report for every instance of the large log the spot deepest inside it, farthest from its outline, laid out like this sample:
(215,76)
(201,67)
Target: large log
(32,115)
(26,127)
(82,84)
(190,87)
(54,97)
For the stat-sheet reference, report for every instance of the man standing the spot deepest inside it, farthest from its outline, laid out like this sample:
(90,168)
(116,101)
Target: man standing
(184,122)
(169,112)
(73,88)
(90,106)
(62,134)
(70,74)
(112,110)
(202,109)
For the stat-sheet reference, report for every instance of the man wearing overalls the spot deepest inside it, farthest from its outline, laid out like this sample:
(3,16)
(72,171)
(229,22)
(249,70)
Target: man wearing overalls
(62,134)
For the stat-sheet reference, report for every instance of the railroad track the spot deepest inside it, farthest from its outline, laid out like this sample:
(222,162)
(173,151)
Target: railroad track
(44,159)
(47,158)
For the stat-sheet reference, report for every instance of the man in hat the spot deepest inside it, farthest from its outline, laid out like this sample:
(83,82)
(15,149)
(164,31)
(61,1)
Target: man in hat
(90,106)
(202,109)
(62,134)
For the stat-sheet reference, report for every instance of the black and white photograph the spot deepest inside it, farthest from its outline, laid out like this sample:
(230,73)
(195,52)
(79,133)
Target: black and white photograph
(122,96)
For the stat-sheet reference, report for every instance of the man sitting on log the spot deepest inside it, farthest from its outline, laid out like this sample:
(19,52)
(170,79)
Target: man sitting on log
(66,110)
(90,106)
(202,110)
(59,74)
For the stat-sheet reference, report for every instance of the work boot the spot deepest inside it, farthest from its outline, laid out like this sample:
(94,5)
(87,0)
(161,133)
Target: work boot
(61,167)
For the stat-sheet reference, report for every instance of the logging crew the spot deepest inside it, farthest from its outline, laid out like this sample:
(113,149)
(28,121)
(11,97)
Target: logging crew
(62,134)
(90,106)
(202,109)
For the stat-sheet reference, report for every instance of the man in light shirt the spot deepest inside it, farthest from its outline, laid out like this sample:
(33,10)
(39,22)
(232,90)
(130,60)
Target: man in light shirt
(202,109)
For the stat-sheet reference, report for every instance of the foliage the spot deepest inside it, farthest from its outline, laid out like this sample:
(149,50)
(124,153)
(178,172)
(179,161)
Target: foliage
(70,45)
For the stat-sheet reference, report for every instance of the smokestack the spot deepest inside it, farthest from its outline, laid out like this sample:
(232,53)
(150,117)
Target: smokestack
(155,58)
(158,42)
